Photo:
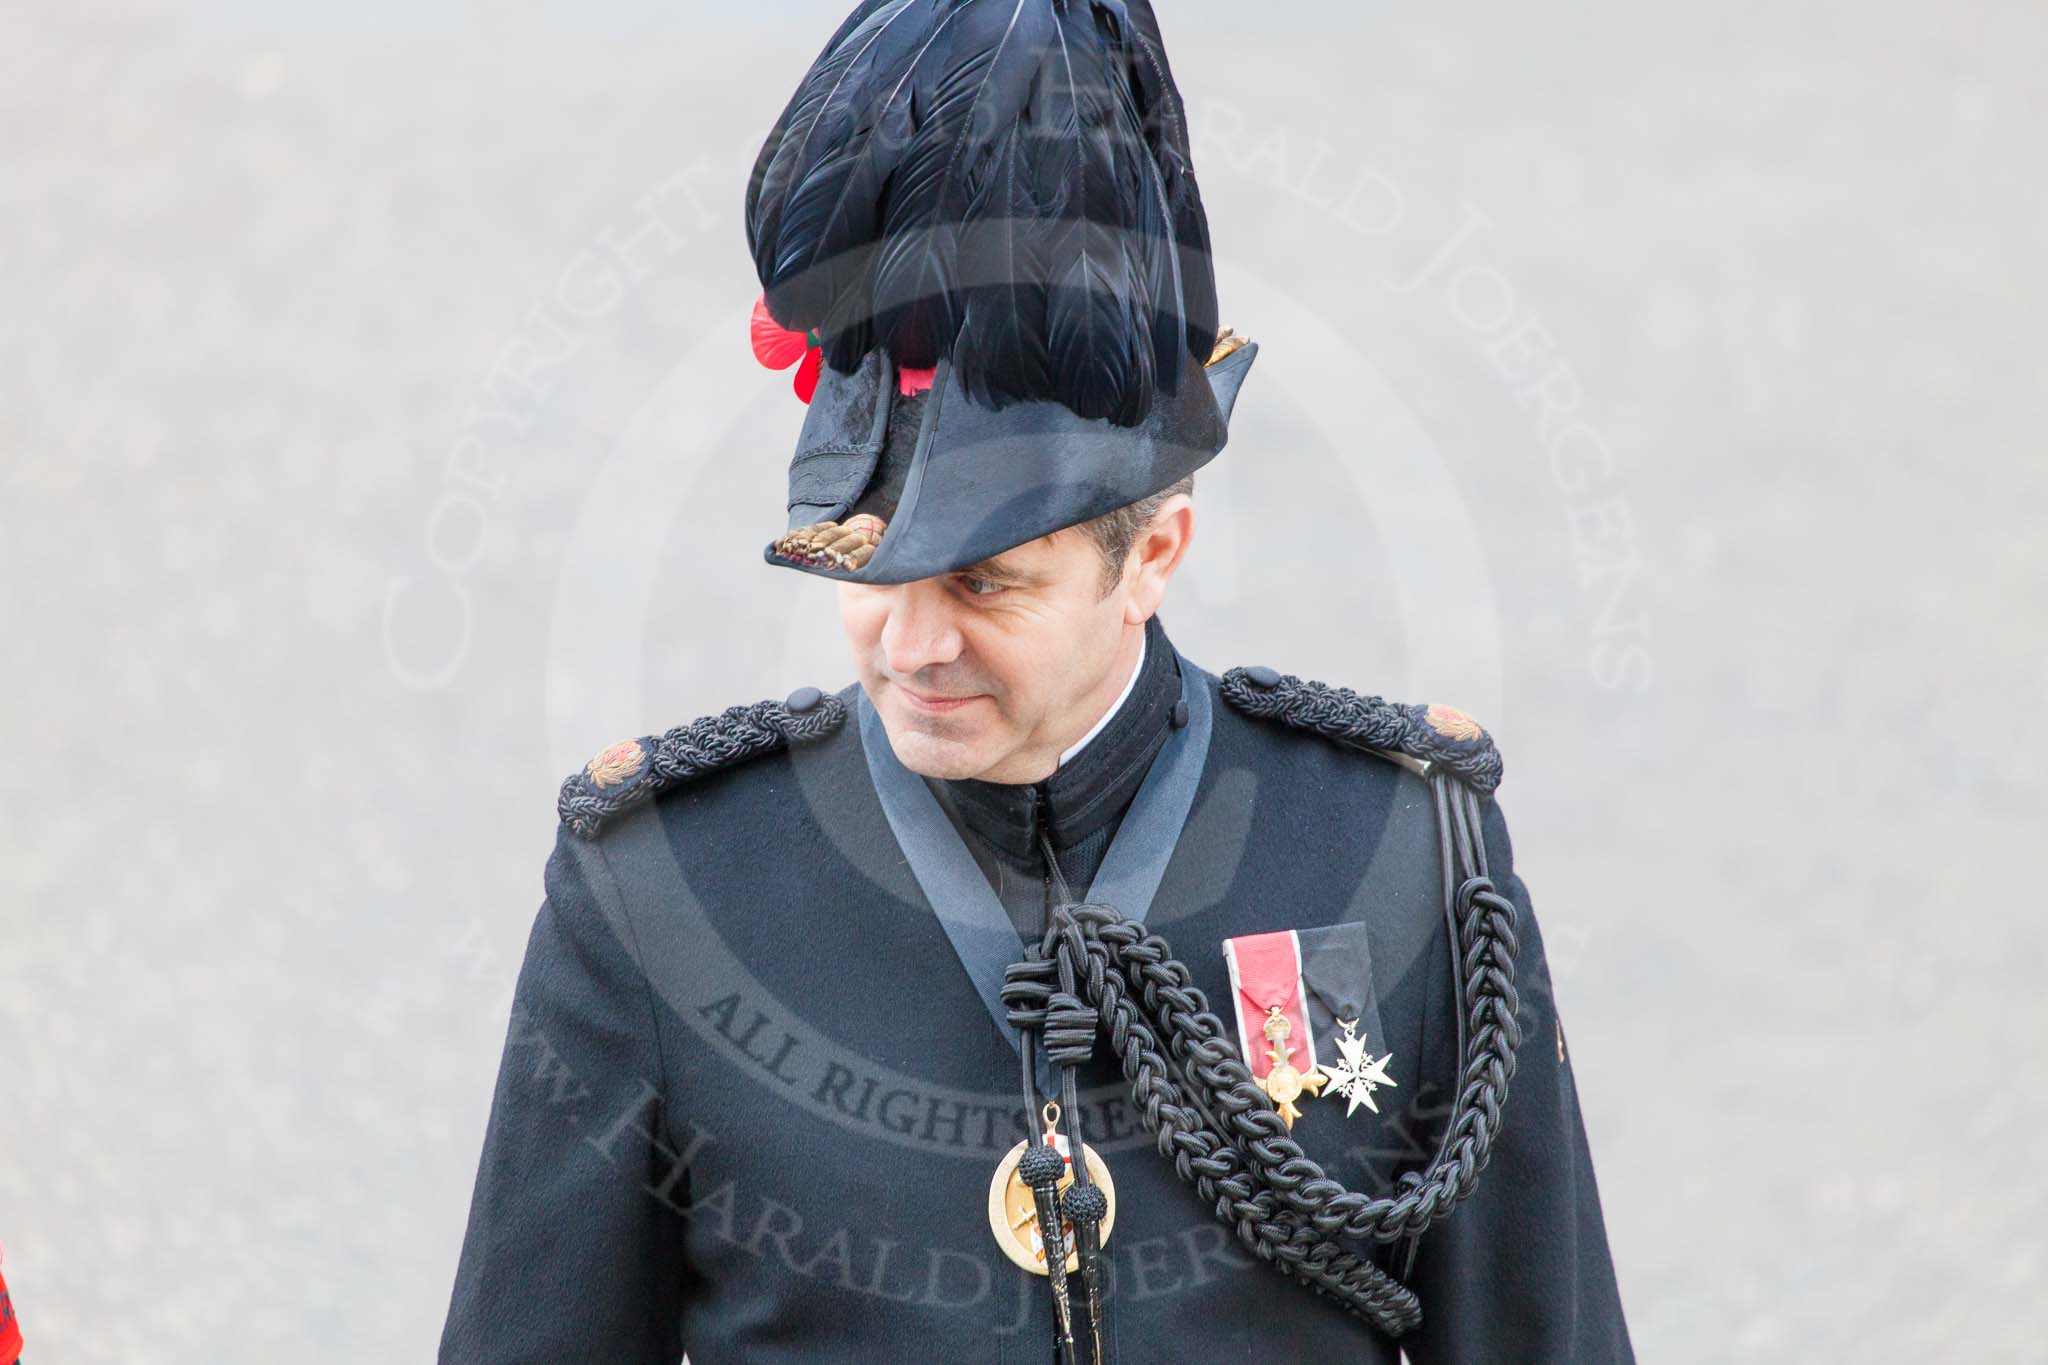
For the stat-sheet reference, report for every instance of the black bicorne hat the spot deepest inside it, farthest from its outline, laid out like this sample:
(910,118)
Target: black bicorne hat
(982,215)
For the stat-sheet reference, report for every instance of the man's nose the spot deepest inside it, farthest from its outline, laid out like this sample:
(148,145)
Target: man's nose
(920,631)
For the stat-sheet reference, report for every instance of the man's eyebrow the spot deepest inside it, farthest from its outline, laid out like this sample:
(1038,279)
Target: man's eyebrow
(996,569)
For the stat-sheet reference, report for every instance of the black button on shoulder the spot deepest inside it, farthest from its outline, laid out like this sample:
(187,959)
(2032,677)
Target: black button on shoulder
(1179,718)
(1258,675)
(804,699)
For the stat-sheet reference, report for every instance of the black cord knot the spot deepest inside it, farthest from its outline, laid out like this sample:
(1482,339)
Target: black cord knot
(1069,1029)
(1085,1204)
(1027,988)
(1041,1167)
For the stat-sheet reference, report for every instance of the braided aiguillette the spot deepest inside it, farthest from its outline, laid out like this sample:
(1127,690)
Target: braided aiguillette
(1195,1094)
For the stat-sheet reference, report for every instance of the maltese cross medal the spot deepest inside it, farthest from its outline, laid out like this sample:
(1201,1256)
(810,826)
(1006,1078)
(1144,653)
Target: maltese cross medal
(1358,1074)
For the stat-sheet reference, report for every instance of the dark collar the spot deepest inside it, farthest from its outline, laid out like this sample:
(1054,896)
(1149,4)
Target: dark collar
(1095,786)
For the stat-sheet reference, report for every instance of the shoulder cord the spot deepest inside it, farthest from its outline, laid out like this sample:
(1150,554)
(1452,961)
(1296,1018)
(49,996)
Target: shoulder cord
(655,763)
(1211,1118)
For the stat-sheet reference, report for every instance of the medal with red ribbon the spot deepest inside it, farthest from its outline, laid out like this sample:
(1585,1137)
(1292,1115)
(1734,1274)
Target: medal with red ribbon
(1273,1029)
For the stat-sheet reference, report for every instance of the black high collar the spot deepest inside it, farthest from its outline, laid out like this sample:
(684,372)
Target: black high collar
(1093,788)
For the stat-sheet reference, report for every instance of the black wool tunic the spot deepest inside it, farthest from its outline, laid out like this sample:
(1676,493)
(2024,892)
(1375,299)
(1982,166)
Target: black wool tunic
(750,1102)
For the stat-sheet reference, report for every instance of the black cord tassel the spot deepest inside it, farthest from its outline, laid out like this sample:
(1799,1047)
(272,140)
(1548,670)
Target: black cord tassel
(1070,1025)
(1041,1168)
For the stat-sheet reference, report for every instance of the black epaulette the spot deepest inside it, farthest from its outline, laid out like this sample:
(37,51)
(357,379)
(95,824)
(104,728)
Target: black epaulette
(1420,738)
(638,770)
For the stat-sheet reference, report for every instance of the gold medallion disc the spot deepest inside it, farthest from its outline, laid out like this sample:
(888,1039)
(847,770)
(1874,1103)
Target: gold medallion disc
(1013,1211)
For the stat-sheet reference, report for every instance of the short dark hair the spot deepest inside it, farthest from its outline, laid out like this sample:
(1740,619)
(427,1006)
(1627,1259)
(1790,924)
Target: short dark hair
(1115,531)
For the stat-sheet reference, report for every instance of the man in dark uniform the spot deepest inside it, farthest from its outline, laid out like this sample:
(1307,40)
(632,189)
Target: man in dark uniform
(1039,995)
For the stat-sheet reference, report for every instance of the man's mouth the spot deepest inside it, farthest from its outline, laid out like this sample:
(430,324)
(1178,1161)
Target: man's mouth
(933,701)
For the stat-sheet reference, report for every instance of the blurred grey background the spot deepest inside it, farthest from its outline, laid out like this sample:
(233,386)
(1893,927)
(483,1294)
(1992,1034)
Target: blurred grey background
(1663,384)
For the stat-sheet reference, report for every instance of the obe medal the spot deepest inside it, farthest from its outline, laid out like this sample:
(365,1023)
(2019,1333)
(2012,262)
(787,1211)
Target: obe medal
(1265,979)
(1284,1083)
(1013,1210)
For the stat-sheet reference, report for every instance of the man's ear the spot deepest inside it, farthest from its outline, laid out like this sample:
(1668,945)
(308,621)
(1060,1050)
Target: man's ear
(1155,555)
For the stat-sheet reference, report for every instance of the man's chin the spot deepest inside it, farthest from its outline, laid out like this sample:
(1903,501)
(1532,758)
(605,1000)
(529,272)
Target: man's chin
(939,747)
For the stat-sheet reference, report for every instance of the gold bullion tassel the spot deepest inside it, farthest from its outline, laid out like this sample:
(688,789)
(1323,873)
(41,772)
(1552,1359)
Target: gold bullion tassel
(841,545)
(1013,1209)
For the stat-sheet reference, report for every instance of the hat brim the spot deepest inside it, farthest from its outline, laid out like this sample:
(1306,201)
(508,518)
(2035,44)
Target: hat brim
(984,480)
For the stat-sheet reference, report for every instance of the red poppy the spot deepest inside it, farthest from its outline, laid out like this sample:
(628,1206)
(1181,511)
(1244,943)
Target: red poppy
(779,348)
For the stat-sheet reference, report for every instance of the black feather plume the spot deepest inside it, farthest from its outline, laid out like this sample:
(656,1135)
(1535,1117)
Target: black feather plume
(1005,182)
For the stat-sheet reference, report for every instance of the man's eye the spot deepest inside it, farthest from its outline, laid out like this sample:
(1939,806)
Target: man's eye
(980,587)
